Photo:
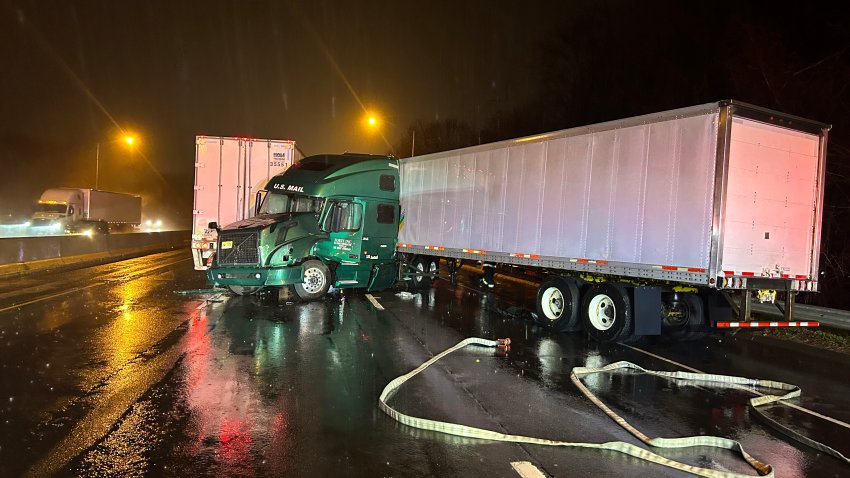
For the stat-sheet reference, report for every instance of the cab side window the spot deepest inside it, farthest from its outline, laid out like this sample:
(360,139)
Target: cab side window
(386,214)
(344,216)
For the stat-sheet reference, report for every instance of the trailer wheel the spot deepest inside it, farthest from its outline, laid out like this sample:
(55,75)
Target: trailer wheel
(316,283)
(244,289)
(607,314)
(420,265)
(683,316)
(557,304)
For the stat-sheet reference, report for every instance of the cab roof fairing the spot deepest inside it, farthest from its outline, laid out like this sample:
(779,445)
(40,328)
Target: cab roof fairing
(338,175)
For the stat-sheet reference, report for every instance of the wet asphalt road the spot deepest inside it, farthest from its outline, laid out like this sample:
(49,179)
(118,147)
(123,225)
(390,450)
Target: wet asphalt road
(105,371)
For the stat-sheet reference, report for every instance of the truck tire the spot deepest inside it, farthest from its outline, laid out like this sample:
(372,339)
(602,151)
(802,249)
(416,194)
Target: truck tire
(317,281)
(422,264)
(606,312)
(684,317)
(244,289)
(558,304)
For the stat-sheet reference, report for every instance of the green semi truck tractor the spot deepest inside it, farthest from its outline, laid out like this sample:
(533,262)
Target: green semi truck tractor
(329,220)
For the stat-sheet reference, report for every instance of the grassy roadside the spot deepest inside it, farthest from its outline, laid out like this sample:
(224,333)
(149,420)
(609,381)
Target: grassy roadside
(823,338)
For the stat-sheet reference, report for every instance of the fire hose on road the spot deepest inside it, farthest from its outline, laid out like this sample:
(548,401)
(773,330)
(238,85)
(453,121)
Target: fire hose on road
(577,373)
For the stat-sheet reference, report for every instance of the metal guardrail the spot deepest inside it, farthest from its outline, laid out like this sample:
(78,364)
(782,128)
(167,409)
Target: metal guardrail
(835,318)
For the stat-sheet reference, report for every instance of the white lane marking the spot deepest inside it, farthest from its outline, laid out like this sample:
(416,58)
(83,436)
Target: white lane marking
(781,402)
(52,296)
(526,469)
(374,302)
(664,359)
(132,275)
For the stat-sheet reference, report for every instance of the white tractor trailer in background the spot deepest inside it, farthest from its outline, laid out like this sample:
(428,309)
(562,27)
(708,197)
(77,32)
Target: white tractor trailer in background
(670,221)
(74,210)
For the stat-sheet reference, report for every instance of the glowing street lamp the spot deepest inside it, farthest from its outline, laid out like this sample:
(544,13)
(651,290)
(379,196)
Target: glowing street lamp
(129,140)
(372,123)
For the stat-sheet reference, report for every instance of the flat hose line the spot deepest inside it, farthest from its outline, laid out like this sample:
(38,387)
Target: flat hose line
(763,469)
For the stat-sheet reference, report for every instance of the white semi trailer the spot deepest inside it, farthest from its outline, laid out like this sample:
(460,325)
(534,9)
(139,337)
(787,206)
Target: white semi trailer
(87,210)
(670,220)
(228,174)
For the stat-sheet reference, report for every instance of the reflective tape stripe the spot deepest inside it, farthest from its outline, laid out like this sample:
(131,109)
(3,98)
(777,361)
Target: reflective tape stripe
(474,251)
(727,325)
(434,248)
(404,245)
(525,256)
(590,261)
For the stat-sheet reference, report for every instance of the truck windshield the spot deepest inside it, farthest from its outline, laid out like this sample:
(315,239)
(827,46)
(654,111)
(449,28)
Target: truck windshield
(60,208)
(281,203)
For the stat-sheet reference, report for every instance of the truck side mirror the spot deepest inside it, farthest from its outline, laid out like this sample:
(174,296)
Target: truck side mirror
(261,196)
(213,225)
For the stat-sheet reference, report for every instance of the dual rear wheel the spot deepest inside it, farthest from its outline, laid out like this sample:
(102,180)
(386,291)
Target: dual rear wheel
(603,310)
(421,265)
(606,311)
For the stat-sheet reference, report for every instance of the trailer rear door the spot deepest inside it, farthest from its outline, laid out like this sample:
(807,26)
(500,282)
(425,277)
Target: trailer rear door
(772,195)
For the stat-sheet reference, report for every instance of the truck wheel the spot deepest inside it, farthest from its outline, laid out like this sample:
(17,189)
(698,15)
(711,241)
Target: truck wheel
(606,312)
(244,289)
(422,264)
(316,281)
(557,304)
(683,316)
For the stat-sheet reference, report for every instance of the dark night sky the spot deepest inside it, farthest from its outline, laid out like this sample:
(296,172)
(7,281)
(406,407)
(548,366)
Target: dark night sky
(74,72)
(168,70)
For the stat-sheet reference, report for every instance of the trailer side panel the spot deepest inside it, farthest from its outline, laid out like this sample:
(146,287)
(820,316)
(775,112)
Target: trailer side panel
(640,196)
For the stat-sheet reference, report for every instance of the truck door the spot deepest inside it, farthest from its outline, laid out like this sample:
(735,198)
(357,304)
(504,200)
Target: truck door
(382,227)
(343,221)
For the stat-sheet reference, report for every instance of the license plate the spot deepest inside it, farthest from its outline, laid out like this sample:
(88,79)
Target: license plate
(227,244)
(767,295)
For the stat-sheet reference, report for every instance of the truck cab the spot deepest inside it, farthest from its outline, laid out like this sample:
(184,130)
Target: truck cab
(329,220)
(58,209)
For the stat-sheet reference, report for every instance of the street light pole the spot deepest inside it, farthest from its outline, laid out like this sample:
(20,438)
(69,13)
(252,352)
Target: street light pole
(97,166)
(413,143)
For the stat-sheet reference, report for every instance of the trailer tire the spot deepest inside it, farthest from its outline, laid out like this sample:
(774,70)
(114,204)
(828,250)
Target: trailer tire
(693,325)
(244,289)
(317,281)
(607,314)
(557,304)
(422,264)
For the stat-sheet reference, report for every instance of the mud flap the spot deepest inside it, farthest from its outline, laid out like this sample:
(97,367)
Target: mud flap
(647,310)
(383,276)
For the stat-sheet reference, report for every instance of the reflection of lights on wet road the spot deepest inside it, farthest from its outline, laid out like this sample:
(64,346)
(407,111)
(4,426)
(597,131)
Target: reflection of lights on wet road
(550,353)
(125,336)
(597,382)
(269,350)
